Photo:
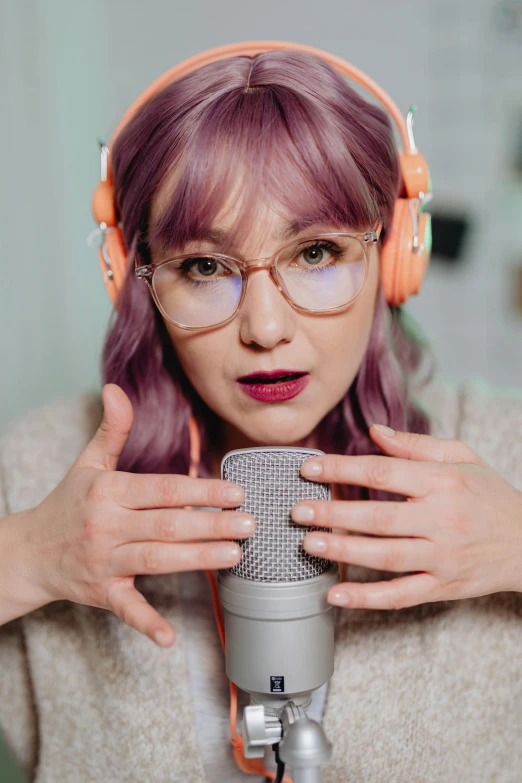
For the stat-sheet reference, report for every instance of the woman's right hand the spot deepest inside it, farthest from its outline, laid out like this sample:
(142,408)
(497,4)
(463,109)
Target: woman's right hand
(100,527)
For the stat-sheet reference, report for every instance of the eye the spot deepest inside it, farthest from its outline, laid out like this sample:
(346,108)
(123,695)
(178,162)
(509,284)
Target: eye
(319,253)
(202,267)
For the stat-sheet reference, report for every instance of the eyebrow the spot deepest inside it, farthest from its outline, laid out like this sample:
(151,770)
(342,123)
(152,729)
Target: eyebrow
(219,236)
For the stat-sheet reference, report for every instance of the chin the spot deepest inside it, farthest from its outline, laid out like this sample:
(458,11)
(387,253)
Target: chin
(280,430)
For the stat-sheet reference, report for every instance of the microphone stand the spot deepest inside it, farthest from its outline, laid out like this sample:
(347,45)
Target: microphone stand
(299,740)
(259,643)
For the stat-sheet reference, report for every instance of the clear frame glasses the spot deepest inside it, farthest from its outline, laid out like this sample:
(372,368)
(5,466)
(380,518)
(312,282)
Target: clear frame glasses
(321,273)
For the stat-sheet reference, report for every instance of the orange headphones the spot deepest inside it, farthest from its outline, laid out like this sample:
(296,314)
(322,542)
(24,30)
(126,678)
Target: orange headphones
(404,258)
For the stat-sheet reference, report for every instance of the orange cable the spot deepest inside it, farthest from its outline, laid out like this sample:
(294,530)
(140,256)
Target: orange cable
(250,766)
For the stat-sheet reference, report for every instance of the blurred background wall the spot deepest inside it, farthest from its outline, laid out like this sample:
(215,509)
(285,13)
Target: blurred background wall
(69,69)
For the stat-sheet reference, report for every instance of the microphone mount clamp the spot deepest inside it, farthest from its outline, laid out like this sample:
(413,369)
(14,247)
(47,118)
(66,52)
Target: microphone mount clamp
(302,743)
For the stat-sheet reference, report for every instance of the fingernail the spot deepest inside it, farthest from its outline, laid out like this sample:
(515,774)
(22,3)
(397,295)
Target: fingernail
(162,638)
(226,553)
(302,513)
(244,525)
(233,494)
(315,545)
(339,599)
(384,430)
(311,468)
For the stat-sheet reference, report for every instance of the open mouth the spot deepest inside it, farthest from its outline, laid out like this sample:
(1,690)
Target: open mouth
(258,379)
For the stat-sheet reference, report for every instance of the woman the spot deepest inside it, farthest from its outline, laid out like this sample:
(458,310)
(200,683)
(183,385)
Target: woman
(273,157)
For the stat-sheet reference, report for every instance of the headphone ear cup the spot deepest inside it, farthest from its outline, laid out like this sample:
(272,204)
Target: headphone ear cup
(395,248)
(402,270)
(113,255)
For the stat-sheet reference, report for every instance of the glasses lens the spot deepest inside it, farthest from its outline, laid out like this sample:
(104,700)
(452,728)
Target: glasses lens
(198,291)
(319,274)
(323,273)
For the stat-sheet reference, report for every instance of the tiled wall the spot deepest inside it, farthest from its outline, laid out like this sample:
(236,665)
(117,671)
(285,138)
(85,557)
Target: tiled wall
(473,96)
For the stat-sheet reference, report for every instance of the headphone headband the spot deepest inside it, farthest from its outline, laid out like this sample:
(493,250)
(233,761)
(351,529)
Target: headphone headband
(250,49)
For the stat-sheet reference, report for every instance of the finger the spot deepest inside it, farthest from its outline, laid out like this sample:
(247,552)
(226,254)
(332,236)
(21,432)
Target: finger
(414,479)
(378,518)
(151,557)
(167,524)
(107,444)
(423,447)
(394,594)
(130,605)
(152,490)
(382,554)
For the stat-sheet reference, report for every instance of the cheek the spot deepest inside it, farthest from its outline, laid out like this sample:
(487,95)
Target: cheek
(359,320)
(347,334)
(341,351)
(200,355)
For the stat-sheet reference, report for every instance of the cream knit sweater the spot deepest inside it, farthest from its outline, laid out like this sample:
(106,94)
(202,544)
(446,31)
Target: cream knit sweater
(428,694)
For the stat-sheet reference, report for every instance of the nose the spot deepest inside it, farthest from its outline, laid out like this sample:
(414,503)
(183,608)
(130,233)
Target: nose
(266,318)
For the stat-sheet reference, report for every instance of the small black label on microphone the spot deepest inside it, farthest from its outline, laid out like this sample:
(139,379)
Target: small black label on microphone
(277,684)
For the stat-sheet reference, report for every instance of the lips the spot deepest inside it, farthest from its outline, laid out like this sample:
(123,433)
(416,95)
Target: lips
(272,376)
(274,386)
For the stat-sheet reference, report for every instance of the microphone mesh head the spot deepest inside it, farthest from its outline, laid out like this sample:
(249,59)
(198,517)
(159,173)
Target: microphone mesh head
(272,483)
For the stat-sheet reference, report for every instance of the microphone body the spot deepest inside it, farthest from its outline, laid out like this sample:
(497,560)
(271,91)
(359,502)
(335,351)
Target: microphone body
(279,627)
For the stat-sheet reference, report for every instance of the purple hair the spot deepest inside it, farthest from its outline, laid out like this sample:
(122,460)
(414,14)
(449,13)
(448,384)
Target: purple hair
(291,130)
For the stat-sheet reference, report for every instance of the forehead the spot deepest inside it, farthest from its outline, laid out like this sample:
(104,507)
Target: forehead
(265,223)
(267,226)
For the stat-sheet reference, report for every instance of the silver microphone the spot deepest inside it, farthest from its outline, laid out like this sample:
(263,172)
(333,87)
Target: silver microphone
(279,627)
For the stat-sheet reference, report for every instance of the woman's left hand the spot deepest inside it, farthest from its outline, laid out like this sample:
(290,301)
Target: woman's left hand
(458,534)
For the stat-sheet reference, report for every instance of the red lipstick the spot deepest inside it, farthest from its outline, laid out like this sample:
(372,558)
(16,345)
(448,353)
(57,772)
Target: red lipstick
(275,385)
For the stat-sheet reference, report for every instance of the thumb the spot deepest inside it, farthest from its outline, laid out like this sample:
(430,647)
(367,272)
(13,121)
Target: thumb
(112,434)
